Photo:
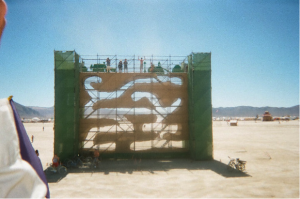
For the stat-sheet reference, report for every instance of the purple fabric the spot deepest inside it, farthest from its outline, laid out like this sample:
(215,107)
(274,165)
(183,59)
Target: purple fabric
(27,152)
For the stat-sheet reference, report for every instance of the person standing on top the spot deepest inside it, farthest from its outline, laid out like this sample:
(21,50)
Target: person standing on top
(125,66)
(141,64)
(120,66)
(152,67)
(107,65)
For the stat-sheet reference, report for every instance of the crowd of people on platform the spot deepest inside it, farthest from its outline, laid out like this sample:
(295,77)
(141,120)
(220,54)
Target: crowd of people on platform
(125,63)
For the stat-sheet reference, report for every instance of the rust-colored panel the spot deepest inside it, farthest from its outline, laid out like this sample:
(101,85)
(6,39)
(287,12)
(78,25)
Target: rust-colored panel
(87,124)
(166,92)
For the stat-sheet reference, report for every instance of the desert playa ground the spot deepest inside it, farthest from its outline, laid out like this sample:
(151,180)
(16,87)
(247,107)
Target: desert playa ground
(271,150)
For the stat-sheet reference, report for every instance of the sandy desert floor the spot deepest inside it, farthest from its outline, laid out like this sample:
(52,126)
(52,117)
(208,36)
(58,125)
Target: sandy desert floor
(271,150)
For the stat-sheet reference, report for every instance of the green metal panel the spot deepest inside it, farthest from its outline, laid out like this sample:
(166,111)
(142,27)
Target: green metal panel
(66,114)
(200,108)
(98,67)
(177,69)
(64,60)
(156,69)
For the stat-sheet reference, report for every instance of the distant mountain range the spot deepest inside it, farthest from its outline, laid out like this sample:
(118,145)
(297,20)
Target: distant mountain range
(240,111)
(249,111)
(28,112)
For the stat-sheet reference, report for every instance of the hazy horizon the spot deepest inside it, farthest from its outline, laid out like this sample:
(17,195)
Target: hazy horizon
(212,107)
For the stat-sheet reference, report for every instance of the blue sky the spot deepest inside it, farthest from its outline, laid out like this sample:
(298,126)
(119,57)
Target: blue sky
(254,43)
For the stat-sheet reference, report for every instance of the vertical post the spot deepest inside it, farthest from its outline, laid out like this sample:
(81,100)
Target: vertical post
(98,117)
(133,63)
(116,64)
(144,64)
(134,130)
(167,62)
(115,75)
(151,99)
(98,110)
(170,63)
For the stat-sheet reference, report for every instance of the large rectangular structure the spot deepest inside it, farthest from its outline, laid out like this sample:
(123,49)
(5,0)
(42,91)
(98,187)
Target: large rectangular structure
(158,114)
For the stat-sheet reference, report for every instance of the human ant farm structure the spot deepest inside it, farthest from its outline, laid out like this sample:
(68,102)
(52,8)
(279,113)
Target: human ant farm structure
(162,111)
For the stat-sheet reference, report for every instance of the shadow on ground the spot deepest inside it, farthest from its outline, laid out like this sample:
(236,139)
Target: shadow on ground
(152,166)
(54,177)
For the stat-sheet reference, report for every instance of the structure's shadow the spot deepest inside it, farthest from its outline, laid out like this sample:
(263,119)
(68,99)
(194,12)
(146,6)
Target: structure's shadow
(54,177)
(154,165)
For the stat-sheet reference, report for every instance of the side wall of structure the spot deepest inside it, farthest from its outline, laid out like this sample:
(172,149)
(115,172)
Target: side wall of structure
(200,107)
(66,109)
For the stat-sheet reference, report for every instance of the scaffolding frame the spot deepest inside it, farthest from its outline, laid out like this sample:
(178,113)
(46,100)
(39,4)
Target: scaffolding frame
(166,62)
(156,143)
